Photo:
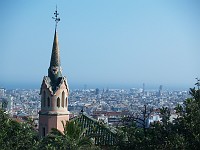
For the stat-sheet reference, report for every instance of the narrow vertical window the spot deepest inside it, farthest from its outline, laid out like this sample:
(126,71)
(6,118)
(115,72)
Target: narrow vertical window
(58,102)
(44,99)
(66,102)
(48,102)
(43,132)
(63,98)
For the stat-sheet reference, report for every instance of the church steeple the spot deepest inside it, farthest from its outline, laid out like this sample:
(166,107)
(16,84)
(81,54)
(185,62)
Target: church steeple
(54,71)
(54,92)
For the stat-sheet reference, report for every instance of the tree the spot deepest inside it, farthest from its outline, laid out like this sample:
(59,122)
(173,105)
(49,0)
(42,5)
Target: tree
(15,135)
(188,124)
(71,139)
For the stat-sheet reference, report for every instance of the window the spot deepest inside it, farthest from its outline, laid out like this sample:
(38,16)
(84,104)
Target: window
(44,99)
(48,102)
(66,102)
(63,98)
(58,102)
(43,132)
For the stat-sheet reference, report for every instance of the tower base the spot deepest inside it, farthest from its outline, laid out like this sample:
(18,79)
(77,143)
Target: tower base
(49,121)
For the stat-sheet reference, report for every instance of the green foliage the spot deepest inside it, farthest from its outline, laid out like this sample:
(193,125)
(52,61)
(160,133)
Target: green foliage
(14,135)
(189,121)
(71,139)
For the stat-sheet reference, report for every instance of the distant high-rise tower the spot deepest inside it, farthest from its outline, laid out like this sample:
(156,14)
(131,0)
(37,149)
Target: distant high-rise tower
(143,88)
(160,90)
(54,93)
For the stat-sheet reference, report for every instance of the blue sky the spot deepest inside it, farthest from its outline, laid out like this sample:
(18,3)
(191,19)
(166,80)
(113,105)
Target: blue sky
(102,43)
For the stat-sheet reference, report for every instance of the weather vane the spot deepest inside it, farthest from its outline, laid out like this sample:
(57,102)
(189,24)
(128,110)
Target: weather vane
(56,17)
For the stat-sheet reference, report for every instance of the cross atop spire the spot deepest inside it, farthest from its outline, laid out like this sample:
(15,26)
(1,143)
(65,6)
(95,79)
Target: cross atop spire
(56,17)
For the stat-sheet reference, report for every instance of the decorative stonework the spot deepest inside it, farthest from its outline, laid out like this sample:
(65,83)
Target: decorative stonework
(47,84)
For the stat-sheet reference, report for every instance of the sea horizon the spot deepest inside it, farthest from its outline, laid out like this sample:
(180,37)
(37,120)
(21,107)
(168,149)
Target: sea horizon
(103,86)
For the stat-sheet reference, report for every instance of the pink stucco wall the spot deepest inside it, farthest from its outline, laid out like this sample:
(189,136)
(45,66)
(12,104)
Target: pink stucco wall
(51,117)
(48,122)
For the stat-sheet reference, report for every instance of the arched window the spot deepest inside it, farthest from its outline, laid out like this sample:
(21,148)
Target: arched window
(48,102)
(63,98)
(66,102)
(58,102)
(44,99)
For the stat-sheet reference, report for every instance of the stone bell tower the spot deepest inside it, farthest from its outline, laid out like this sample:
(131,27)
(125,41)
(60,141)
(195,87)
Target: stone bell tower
(54,92)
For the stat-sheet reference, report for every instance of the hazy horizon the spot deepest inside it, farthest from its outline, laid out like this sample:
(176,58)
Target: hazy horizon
(102,43)
(102,86)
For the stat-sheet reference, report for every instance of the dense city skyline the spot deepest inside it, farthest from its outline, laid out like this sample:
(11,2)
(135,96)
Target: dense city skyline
(102,43)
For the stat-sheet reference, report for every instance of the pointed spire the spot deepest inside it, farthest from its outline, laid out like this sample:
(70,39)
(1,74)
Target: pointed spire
(55,55)
(54,71)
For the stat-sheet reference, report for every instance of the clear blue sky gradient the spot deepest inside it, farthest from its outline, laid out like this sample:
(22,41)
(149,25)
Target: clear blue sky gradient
(103,43)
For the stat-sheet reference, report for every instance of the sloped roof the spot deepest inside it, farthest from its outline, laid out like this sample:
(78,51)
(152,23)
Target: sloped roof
(103,135)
